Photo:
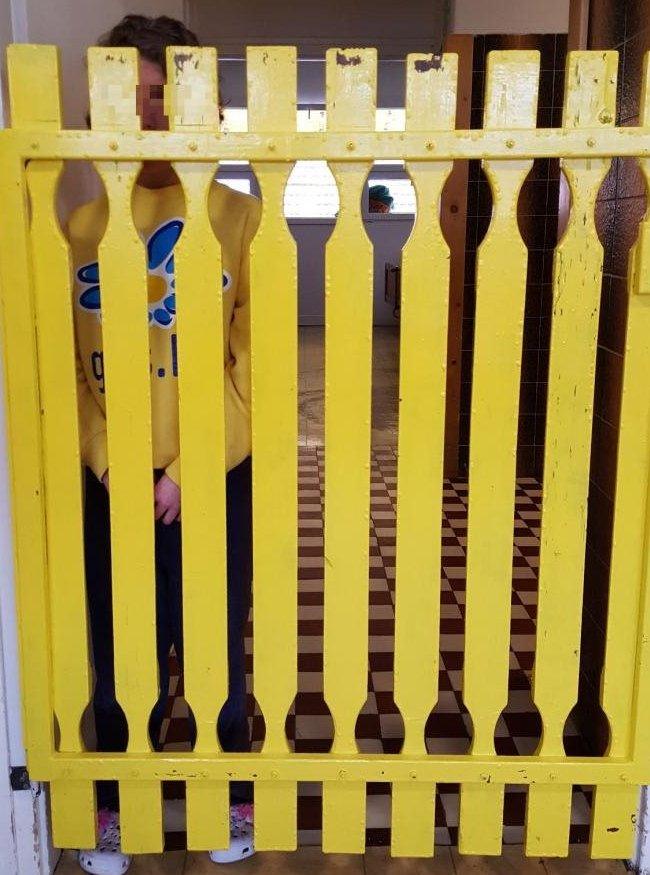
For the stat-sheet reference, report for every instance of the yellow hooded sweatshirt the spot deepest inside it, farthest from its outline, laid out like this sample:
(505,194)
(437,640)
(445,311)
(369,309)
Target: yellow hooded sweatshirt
(159,217)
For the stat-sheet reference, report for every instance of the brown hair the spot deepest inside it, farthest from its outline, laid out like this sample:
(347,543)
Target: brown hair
(150,36)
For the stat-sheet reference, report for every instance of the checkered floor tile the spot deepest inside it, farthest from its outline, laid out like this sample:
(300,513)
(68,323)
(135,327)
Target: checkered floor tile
(379,727)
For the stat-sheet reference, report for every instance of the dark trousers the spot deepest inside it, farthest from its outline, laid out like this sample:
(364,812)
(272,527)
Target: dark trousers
(232,721)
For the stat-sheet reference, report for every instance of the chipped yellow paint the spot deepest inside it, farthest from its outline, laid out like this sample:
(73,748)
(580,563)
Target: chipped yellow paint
(590,101)
(274,301)
(351,82)
(45,470)
(73,801)
(193,106)
(431,105)
(615,809)
(128,415)
(510,102)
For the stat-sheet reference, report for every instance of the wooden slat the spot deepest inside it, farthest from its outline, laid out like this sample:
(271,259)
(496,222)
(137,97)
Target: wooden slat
(34,89)
(615,808)
(193,105)
(112,79)
(430,106)
(274,301)
(511,102)
(73,803)
(590,101)
(74,818)
(351,88)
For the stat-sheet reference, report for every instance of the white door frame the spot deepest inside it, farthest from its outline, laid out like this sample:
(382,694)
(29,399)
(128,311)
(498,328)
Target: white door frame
(25,847)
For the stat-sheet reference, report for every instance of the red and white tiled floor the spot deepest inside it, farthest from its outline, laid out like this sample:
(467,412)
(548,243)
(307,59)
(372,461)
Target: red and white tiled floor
(379,728)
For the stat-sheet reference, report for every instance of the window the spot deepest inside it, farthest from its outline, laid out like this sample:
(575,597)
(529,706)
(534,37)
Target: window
(315,119)
(401,188)
(311,192)
(238,183)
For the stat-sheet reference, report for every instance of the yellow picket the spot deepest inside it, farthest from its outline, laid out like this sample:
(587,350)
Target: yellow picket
(590,101)
(351,77)
(71,687)
(112,78)
(615,808)
(73,802)
(430,106)
(274,302)
(510,103)
(193,106)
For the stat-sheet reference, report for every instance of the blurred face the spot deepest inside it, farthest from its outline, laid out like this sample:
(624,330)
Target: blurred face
(150,106)
(150,96)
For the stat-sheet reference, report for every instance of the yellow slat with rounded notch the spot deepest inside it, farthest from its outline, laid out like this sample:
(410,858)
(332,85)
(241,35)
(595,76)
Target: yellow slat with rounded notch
(615,809)
(73,805)
(351,77)
(510,103)
(36,104)
(193,105)
(431,105)
(590,101)
(112,78)
(274,302)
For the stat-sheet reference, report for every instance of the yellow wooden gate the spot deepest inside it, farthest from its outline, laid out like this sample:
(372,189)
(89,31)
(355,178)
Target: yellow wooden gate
(38,344)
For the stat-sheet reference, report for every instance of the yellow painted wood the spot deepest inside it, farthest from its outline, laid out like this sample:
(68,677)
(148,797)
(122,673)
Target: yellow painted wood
(23,410)
(112,84)
(413,819)
(350,144)
(74,804)
(351,77)
(193,105)
(431,105)
(192,92)
(612,819)
(112,77)
(74,822)
(590,101)
(334,146)
(510,102)
(72,813)
(613,822)
(548,819)
(442,768)
(274,301)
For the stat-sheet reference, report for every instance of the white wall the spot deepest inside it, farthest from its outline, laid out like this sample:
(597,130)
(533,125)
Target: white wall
(73,25)
(394,29)
(506,16)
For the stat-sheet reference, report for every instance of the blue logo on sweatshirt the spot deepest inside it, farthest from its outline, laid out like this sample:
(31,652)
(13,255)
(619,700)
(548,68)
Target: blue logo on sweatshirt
(161,286)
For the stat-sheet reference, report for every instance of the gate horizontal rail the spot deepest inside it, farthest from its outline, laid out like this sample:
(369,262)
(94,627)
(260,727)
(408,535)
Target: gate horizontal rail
(278,146)
(37,302)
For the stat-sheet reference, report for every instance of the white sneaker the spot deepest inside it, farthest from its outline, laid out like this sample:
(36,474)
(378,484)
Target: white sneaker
(107,858)
(241,836)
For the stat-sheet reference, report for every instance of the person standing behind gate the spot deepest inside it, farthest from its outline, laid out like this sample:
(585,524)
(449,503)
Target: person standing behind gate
(158,209)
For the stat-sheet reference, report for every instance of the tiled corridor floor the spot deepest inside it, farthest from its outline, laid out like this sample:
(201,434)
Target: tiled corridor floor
(379,728)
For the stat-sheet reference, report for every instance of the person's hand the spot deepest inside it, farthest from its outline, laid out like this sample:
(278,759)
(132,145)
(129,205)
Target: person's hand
(167,496)
(105,481)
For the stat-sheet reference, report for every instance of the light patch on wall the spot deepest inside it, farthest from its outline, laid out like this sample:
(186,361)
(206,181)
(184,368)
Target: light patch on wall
(315,119)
